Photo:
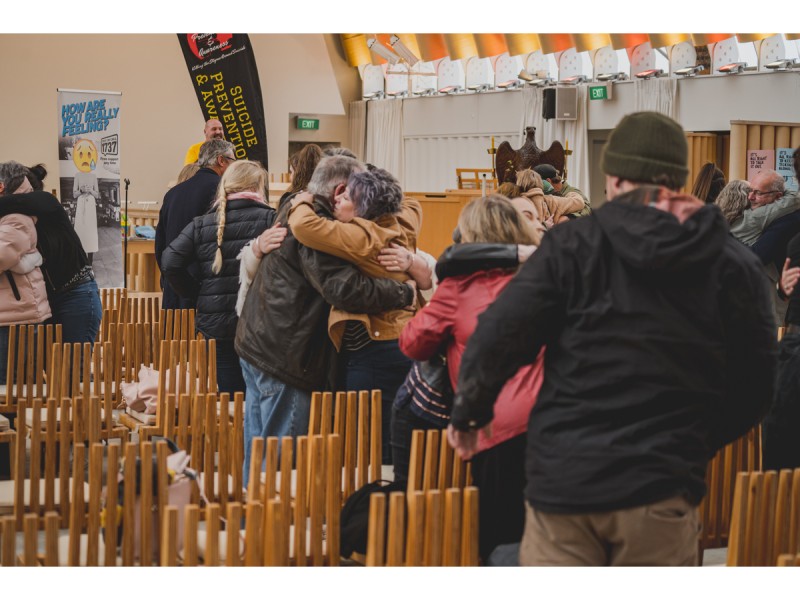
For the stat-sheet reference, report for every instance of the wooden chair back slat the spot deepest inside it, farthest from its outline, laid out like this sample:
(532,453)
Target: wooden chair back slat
(233,531)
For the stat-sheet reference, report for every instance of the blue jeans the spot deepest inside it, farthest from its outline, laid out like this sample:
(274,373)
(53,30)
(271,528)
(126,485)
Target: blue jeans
(272,408)
(378,366)
(78,311)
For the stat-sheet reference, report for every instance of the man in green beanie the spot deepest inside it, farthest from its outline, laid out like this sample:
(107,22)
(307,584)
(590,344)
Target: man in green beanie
(660,349)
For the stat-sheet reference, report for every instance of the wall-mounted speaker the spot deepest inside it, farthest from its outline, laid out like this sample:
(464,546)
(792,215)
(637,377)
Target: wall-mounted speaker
(560,103)
(566,103)
(549,103)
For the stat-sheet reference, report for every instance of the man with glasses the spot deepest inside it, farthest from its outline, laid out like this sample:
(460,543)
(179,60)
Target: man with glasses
(768,201)
(188,200)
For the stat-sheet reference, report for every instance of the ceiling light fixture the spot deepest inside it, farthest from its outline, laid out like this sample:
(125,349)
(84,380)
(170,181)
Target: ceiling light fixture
(478,87)
(783,65)
(424,92)
(574,80)
(690,71)
(612,76)
(398,94)
(650,73)
(732,68)
(375,46)
(451,89)
(510,84)
(402,50)
(373,96)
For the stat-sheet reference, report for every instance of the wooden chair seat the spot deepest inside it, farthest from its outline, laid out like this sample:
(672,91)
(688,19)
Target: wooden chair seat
(29,417)
(7,493)
(5,424)
(142,418)
(231,495)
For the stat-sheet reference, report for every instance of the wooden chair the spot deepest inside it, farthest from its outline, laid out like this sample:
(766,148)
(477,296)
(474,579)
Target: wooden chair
(29,351)
(472,179)
(434,465)
(789,560)
(743,454)
(766,518)
(356,418)
(431,528)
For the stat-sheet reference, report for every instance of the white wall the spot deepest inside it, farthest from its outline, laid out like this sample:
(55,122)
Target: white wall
(160,116)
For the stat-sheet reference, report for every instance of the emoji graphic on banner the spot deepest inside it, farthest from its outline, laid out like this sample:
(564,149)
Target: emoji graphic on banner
(86,192)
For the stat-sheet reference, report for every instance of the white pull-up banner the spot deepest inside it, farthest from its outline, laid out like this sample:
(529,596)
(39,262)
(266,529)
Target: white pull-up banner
(89,165)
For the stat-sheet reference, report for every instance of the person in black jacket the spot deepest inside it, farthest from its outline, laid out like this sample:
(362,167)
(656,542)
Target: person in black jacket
(71,288)
(660,349)
(186,201)
(213,242)
(282,336)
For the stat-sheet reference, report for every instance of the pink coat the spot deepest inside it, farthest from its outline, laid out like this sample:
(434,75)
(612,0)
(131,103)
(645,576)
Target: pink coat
(18,240)
(451,316)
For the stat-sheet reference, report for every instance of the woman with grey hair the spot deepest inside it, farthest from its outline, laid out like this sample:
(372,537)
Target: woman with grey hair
(69,280)
(732,200)
(371,214)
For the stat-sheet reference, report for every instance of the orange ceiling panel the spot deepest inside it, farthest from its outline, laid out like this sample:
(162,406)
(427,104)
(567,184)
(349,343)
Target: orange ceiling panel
(490,44)
(620,41)
(522,43)
(555,42)
(431,46)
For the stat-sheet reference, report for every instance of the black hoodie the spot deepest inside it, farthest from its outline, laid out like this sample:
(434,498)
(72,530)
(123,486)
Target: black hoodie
(661,348)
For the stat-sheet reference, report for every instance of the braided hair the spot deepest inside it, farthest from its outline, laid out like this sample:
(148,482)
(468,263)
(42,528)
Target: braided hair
(241,176)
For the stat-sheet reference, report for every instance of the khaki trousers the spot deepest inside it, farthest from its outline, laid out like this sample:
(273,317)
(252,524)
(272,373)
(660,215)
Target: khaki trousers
(664,533)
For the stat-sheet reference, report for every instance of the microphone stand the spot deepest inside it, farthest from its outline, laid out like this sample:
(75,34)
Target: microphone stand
(125,239)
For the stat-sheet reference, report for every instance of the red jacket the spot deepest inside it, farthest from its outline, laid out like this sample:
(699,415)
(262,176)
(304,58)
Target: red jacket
(451,316)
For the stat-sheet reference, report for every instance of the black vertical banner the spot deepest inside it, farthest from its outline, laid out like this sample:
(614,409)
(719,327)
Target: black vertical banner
(224,76)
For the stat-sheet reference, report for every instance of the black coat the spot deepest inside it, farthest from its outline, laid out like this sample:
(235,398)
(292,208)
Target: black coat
(59,245)
(660,348)
(182,203)
(283,329)
(214,294)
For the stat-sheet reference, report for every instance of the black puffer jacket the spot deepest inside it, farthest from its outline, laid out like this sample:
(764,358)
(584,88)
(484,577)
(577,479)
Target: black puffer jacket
(197,244)
(283,329)
(661,348)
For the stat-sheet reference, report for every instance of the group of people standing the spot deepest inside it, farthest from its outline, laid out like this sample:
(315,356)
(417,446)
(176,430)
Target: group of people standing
(597,359)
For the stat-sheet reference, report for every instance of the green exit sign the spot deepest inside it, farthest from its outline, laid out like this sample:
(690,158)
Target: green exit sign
(303,123)
(598,92)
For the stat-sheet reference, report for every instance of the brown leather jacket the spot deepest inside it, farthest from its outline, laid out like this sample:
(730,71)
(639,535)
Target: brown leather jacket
(283,328)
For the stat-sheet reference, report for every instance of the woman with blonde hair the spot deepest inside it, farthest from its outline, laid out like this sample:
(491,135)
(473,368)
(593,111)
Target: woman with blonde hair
(213,241)
(732,200)
(448,321)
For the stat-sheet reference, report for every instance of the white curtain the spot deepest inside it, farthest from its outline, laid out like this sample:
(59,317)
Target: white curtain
(385,136)
(656,94)
(358,127)
(574,133)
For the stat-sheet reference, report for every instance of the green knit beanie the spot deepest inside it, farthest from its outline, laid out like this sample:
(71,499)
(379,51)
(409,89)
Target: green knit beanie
(647,147)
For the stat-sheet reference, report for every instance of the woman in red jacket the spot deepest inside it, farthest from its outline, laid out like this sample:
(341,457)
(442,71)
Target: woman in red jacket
(448,321)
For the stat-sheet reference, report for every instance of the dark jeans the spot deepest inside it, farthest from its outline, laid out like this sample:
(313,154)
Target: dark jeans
(499,475)
(404,422)
(781,443)
(377,366)
(229,370)
(78,311)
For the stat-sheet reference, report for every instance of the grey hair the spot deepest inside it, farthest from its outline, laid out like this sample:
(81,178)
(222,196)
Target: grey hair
(732,200)
(375,193)
(212,149)
(12,174)
(333,151)
(775,180)
(330,172)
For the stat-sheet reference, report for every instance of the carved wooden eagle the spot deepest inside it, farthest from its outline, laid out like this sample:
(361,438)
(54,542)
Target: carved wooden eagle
(509,161)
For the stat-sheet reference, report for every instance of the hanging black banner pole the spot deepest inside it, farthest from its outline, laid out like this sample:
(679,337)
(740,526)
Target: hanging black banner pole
(125,239)
(224,76)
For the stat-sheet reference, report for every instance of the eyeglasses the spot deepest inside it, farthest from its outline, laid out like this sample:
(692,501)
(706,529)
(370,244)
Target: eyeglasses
(228,158)
(760,193)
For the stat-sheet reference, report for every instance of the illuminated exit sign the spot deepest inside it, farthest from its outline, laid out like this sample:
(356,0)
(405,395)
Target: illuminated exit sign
(303,123)
(599,92)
